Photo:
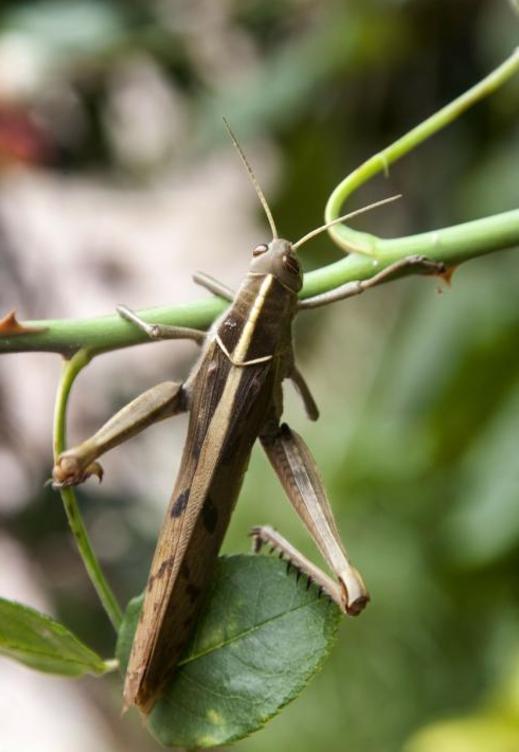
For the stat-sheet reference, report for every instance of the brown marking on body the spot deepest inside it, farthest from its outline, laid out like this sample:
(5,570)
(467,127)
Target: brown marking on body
(180,504)
(235,437)
(199,435)
(166,566)
(185,571)
(210,515)
(193,591)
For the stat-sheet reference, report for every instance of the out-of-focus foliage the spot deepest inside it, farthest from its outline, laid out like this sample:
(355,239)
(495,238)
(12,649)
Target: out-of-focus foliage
(493,728)
(419,391)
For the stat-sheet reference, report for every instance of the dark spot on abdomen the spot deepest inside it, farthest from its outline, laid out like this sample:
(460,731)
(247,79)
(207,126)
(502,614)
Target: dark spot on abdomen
(180,504)
(185,571)
(210,515)
(230,449)
(193,591)
(165,566)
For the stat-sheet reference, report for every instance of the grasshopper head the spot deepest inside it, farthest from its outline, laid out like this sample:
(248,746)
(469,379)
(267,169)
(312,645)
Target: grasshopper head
(279,256)
(279,259)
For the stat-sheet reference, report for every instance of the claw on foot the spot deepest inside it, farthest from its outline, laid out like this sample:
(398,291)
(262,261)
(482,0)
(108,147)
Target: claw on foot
(68,471)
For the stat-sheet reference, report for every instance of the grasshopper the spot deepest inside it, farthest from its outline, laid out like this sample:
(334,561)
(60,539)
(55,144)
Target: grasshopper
(234,396)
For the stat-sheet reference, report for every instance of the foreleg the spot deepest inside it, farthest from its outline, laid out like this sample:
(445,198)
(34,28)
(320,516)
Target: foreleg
(77,464)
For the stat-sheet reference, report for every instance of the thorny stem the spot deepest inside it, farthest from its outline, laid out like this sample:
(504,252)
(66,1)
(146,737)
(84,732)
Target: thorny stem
(452,245)
(426,243)
(108,333)
(71,368)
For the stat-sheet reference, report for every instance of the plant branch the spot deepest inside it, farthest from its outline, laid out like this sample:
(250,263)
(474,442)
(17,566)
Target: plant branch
(71,368)
(106,333)
(452,245)
(353,241)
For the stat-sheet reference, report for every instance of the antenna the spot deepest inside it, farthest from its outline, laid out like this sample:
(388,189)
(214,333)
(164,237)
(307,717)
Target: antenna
(252,176)
(364,209)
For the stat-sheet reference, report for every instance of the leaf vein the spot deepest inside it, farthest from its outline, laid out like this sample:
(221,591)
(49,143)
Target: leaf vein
(245,633)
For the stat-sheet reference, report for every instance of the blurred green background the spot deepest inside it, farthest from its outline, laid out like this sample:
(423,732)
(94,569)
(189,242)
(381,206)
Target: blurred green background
(419,391)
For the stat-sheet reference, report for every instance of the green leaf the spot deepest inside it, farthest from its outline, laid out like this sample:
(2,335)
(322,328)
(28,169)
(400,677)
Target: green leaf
(261,637)
(44,644)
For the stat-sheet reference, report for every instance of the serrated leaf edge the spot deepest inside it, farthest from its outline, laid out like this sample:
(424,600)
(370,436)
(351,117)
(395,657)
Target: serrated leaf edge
(291,696)
(305,680)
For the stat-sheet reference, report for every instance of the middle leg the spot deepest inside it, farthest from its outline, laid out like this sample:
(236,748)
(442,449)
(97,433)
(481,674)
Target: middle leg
(213,285)
(349,289)
(160,331)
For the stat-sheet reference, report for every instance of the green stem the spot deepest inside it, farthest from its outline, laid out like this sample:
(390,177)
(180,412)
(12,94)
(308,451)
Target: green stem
(108,333)
(351,240)
(452,245)
(71,369)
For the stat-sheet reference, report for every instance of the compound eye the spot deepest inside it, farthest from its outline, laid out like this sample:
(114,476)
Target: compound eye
(261,248)
(292,264)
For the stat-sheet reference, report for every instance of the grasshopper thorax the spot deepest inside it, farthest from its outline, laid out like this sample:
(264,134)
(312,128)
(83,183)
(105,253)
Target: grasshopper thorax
(279,259)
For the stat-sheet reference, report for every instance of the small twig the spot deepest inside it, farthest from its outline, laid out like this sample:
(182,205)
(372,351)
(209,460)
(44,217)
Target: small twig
(71,369)
(424,244)
(450,245)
